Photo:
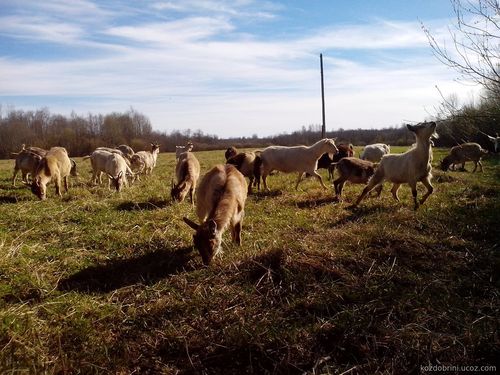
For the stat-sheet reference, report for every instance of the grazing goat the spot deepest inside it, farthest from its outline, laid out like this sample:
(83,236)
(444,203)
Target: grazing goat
(187,172)
(354,170)
(375,152)
(143,162)
(181,149)
(127,151)
(248,163)
(220,202)
(27,162)
(230,152)
(301,159)
(54,166)
(462,153)
(410,167)
(113,151)
(111,163)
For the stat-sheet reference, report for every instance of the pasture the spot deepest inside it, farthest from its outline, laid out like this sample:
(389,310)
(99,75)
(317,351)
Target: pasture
(106,282)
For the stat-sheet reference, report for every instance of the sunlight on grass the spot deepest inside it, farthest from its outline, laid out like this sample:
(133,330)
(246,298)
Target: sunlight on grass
(106,282)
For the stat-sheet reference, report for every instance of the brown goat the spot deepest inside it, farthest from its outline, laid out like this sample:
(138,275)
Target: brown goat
(54,166)
(354,170)
(462,153)
(248,163)
(187,172)
(230,152)
(220,202)
(27,162)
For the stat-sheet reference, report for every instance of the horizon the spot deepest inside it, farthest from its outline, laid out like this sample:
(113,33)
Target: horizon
(227,68)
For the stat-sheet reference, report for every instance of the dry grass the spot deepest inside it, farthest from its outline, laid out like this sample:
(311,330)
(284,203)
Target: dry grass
(99,282)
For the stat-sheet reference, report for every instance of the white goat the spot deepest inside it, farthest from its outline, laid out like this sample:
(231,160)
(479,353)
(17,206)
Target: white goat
(220,202)
(145,161)
(181,149)
(375,152)
(187,172)
(410,167)
(54,166)
(113,165)
(301,159)
(495,140)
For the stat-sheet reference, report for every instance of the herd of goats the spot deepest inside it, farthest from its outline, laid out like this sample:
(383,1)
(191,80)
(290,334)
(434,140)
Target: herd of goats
(222,191)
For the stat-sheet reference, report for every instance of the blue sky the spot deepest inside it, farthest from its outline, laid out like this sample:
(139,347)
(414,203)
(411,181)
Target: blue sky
(230,67)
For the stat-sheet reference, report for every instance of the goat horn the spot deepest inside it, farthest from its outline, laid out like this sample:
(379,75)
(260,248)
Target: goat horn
(191,223)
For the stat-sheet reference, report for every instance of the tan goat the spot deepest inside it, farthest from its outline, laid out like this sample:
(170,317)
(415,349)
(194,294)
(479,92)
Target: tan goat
(220,202)
(410,167)
(54,166)
(187,172)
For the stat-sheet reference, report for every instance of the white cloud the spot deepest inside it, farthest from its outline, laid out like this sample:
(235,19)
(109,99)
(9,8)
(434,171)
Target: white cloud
(179,31)
(200,72)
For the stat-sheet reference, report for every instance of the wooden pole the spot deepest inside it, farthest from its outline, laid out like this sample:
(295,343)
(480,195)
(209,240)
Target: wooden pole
(323,127)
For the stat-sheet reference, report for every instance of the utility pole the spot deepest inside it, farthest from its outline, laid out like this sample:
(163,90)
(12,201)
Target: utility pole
(323,127)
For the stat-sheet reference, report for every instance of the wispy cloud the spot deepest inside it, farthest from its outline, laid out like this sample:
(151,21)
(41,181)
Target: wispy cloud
(190,65)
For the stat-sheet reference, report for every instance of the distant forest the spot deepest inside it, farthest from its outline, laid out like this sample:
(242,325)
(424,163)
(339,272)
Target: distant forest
(82,134)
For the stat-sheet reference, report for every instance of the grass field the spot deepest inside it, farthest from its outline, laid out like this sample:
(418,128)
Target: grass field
(101,282)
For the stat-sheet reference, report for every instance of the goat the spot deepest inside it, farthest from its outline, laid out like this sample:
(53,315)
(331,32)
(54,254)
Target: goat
(248,163)
(325,161)
(230,152)
(113,151)
(27,162)
(410,167)
(375,152)
(54,166)
(181,149)
(220,202)
(301,159)
(354,170)
(145,161)
(127,151)
(187,172)
(495,140)
(462,153)
(111,163)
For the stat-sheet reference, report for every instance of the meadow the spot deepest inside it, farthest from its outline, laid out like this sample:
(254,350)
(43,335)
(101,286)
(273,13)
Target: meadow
(104,282)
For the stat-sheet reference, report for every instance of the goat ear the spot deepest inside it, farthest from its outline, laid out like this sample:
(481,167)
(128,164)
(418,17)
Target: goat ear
(191,223)
(212,226)
(120,174)
(410,127)
(111,177)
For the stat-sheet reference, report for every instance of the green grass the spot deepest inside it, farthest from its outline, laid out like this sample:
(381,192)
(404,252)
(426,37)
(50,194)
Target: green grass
(100,282)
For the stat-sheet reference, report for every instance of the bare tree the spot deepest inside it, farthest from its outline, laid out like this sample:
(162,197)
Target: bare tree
(475,52)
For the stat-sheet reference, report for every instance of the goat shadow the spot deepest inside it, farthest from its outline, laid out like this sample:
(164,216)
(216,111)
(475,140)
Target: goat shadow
(311,203)
(150,205)
(115,274)
(262,194)
(360,213)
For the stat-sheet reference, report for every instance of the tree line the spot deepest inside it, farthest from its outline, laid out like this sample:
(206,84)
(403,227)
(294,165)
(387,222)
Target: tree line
(83,134)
